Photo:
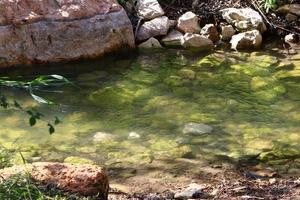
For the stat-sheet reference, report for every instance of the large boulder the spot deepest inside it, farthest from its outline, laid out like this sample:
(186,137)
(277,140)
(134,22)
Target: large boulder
(52,31)
(188,23)
(196,42)
(156,27)
(244,19)
(227,31)
(246,40)
(149,9)
(86,180)
(173,39)
(210,31)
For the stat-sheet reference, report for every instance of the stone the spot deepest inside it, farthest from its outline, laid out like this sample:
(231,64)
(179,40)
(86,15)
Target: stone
(244,19)
(291,38)
(196,42)
(193,191)
(188,23)
(103,137)
(173,39)
(134,135)
(34,32)
(291,17)
(86,180)
(156,27)
(149,9)
(246,40)
(196,129)
(227,31)
(210,31)
(150,44)
(290,8)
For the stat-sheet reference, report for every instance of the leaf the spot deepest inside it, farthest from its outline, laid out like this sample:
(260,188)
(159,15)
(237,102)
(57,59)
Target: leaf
(32,121)
(40,99)
(51,129)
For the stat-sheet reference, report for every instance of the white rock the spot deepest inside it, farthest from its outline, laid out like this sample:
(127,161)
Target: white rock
(134,135)
(227,31)
(210,32)
(103,137)
(244,19)
(173,38)
(196,128)
(149,9)
(290,38)
(156,27)
(196,42)
(246,40)
(193,191)
(188,23)
(150,44)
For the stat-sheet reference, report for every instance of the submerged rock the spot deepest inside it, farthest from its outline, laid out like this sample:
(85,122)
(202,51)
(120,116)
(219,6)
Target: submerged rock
(149,9)
(103,137)
(150,44)
(196,128)
(210,31)
(246,40)
(196,42)
(193,191)
(188,23)
(156,27)
(44,31)
(173,39)
(86,180)
(134,135)
(244,19)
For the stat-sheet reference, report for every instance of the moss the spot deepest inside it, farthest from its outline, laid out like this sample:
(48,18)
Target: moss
(187,73)
(78,160)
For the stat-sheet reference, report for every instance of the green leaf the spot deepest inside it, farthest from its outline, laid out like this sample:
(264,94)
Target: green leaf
(32,121)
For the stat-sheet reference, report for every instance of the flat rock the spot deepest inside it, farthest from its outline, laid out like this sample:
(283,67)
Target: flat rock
(188,23)
(156,27)
(53,31)
(150,44)
(244,19)
(193,191)
(246,40)
(86,180)
(196,42)
(149,9)
(227,31)
(290,8)
(196,129)
(210,31)
(173,39)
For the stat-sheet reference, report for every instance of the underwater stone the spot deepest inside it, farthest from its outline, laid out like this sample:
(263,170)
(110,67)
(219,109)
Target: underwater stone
(103,137)
(187,73)
(134,135)
(196,128)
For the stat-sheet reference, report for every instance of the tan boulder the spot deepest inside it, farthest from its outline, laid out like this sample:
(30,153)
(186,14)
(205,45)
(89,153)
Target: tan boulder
(246,40)
(149,9)
(151,43)
(210,31)
(52,31)
(188,23)
(290,8)
(196,42)
(86,180)
(227,31)
(173,39)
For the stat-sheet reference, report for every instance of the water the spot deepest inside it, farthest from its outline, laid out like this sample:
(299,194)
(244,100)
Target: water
(251,100)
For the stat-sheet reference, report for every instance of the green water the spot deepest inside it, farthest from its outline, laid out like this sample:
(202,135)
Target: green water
(251,100)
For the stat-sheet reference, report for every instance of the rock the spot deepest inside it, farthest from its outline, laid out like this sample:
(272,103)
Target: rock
(103,137)
(173,39)
(291,38)
(187,73)
(134,135)
(290,8)
(290,17)
(193,191)
(86,180)
(210,32)
(173,23)
(150,43)
(149,9)
(196,42)
(188,23)
(244,19)
(227,31)
(246,40)
(49,31)
(155,27)
(196,129)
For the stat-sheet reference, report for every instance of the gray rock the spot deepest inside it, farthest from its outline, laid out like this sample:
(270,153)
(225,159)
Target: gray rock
(193,191)
(246,40)
(103,137)
(196,42)
(210,32)
(73,30)
(188,23)
(173,38)
(149,9)
(227,31)
(244,19)
(155,27)
(196,128)
(150,44)
(290,8)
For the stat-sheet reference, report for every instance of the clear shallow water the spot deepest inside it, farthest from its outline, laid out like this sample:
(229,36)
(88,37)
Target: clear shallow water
(252,102)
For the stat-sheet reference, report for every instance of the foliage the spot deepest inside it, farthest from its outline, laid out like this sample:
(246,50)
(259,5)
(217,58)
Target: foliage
(5,157)
(31,86)
(269,5)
